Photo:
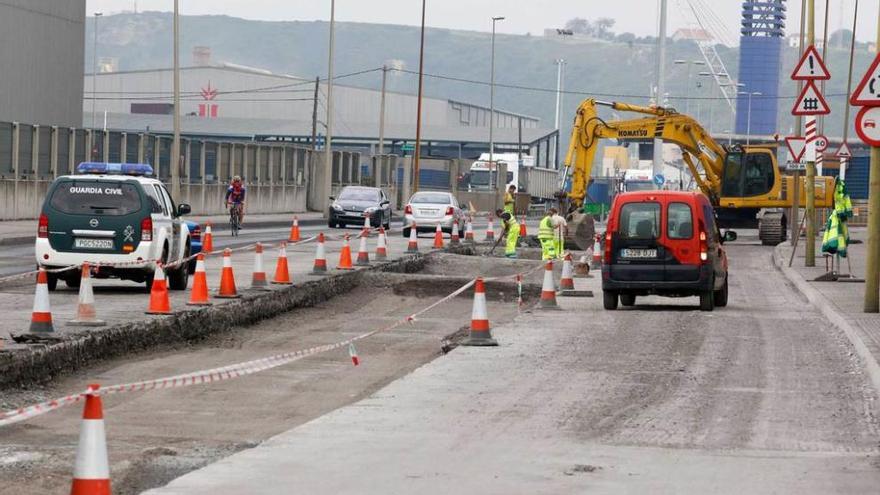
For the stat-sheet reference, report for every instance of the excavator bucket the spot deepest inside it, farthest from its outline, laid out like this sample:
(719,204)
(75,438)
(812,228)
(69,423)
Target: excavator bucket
(581,231)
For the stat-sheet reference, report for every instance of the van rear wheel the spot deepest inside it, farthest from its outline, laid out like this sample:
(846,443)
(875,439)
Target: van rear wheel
(628,299)
(721,294)
(609,299)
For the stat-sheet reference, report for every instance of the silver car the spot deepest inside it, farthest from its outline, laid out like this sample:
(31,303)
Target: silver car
(428,208)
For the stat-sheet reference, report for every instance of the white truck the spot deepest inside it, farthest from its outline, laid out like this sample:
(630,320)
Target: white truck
(638,180)
(540,183)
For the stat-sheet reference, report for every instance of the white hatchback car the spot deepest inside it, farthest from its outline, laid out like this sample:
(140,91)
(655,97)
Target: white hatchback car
(429,208)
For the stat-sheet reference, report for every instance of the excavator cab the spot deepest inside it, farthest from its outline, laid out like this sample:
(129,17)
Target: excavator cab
(748,172)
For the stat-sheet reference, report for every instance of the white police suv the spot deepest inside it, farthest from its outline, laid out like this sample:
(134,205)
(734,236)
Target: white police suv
(115,216)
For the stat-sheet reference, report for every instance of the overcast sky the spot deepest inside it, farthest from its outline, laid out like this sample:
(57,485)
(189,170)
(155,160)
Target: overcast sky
(522,16)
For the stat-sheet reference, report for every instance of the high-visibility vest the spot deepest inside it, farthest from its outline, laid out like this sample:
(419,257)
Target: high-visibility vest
(545,229)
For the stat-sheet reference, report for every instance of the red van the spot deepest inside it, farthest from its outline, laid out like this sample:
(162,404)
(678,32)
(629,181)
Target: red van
(664,243)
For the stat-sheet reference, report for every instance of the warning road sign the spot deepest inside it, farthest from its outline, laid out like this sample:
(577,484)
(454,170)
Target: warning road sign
(868,125)
(811,102)
(811,67)
(796,146)
(843,151)
(867,93)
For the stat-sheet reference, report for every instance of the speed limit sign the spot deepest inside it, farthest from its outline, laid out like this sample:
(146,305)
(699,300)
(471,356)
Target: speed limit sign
(821,143)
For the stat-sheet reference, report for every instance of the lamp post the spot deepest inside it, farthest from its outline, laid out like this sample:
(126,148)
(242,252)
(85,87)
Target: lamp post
(174,162)
(749,113)
(417,149)
(560,75)
(95,70)
(328,142)
(492,106)
(687,91)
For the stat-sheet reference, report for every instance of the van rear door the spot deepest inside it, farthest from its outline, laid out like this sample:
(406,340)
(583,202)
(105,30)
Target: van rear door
(637,253)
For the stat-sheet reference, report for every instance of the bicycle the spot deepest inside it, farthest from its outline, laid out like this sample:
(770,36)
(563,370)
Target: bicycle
(235,219)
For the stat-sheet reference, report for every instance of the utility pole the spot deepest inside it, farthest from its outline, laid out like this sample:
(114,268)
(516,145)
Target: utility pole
(661,66)
(872,265)
(382,112)
(174,161)
(315,115)
(417,149)
(852,51)
(328,150)
(95,71)
(560,71)
(492,166)
(795,223)
(810,188)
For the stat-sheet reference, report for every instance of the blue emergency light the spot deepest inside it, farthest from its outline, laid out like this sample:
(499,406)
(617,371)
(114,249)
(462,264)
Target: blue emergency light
(103,168)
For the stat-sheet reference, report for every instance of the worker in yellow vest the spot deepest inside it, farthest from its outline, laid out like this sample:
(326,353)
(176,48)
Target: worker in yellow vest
(509,200)
(560,227)
(511,232)
(547,235)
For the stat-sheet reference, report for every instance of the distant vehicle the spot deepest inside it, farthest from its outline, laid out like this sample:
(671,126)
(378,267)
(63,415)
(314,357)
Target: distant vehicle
(195,242)
(664,243)
(112,213)
(429,208)
(356,202)
(638,180)
(540,183)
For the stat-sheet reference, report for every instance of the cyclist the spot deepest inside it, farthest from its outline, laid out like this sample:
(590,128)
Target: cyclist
(235,197)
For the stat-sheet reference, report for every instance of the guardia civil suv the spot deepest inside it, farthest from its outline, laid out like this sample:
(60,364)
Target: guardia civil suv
(112,214)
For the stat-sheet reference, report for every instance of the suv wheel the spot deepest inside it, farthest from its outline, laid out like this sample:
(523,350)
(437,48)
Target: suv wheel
(51,281)
(73,281)
(178,279)
(707,300)
(721,295)
(627,299)
(609,299)
(406,232)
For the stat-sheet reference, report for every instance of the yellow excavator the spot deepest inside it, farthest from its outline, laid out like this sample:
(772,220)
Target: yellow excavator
(744,183)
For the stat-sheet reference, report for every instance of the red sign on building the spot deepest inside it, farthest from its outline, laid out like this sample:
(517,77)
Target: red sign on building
(208,109)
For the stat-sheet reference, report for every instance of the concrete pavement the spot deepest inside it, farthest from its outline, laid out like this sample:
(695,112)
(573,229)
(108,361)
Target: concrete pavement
(763,396)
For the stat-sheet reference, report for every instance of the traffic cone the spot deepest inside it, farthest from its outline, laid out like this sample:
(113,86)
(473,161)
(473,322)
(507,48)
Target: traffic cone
(258,278)
(160,304)
(363,258)
(41,318)
(199,294)
(597,253)
(454,239)
(355,360)
(490,231)
(345,256)
(469,231)
(413,245)
(85,309)
(91,473)
(227,278)
(567,280)
(438,238)
(480,333)
(207,239)
(382,245)
(294,230)
(282,273)
(522,227)
(548,290)
(320,267)
(367,225)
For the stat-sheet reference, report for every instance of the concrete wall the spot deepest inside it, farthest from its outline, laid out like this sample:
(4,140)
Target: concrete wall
(41,61)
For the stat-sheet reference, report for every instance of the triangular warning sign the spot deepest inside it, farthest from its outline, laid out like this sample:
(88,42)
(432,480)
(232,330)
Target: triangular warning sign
(843,151)
(867,93)
(811,66)
(796,147)
(811,102)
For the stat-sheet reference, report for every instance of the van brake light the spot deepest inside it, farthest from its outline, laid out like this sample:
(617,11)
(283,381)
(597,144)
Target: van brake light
(450,210)
(408,210)
(147,229)
(704,246)
(608,247)
(43,228)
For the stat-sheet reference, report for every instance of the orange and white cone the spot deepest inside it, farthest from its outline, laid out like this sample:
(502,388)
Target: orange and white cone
(353,353)
(85,308)
(597,253)
(438,238)
(454,239)
(294,230)
(320,266)
(282,272)
(490,230)
(413,245)
(41,318)
(469,231)
(258,277)
(227,278)
(363,257)
(566,282)
(522,228)
(382,245)
(91,472)
(345,256)
(548,290)
(160,303)
(199,294)
(207,239)
(480,331)
(367,225)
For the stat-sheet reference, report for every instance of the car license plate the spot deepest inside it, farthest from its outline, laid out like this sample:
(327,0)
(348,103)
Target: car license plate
(429,212)
(93,243)
(638,253)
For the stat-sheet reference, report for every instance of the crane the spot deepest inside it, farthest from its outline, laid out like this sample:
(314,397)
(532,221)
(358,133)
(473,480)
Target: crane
(744,184)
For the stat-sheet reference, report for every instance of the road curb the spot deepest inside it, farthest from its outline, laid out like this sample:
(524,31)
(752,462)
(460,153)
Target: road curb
(834,315)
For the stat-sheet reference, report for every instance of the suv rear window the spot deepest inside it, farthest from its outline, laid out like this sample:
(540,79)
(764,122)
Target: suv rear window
(84,197)
(679,221)
(639,220)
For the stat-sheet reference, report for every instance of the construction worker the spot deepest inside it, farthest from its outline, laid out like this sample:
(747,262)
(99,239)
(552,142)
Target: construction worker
(560,227)
(547,235)
(511,232)
(509,201)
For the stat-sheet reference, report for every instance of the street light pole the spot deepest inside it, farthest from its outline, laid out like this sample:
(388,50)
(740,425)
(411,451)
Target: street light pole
(661,66)
(810,188)
(492,108)
(417,149)
(328,142)
(749,115)
(95,70)
(687,90)
(174,161)
(560,70)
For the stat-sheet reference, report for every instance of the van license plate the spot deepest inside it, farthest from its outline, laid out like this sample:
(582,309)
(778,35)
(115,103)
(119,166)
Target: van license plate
(93,243)
(638,253)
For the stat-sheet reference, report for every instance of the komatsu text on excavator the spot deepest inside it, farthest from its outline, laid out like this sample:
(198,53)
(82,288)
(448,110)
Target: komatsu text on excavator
(744,183)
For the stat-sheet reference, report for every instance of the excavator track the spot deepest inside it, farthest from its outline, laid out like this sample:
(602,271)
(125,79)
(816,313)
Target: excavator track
(772,228)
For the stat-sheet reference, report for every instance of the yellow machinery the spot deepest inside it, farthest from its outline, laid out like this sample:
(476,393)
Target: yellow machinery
(744,183)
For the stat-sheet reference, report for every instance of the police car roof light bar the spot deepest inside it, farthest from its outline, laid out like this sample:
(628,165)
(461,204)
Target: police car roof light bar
(103,168)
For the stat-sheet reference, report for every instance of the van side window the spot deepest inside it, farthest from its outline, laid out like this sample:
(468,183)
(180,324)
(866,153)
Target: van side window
(639,220)
(679,221)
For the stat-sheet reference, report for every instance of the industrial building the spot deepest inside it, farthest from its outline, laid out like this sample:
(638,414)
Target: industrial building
(760,57)
(42,61)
